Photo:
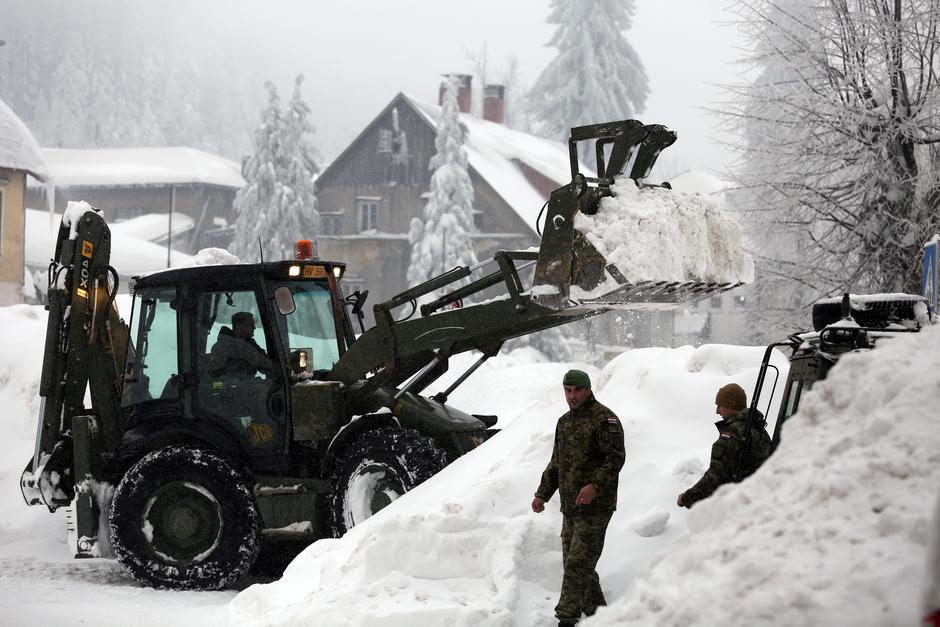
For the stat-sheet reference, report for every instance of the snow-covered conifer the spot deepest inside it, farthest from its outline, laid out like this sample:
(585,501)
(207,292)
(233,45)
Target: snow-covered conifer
(442,240)
(597,75)
(277,204)
(300,218)
(262,187)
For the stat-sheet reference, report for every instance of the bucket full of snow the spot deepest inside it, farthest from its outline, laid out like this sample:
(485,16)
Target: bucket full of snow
(639,247)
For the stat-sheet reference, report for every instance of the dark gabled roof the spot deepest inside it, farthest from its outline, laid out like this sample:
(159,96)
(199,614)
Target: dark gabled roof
(494,153)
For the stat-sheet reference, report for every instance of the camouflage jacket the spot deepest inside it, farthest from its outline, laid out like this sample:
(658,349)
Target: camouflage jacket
(731,446)
(232,355)
(588,448)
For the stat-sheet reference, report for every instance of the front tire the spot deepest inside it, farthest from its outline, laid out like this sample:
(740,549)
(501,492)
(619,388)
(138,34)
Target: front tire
(375,470)
(183,518)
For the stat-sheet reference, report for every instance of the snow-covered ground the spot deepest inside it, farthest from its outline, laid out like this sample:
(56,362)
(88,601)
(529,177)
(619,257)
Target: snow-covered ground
(831,531)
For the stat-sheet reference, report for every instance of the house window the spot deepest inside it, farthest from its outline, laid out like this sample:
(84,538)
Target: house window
(739,301)
(716,301)
(351,283)
(331,222)
(478,221)
(368,213)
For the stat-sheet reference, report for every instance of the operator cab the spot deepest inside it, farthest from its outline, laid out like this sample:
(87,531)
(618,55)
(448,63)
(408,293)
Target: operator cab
(223,344)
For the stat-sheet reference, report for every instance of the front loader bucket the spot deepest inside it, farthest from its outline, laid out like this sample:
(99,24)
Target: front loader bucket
(570,270)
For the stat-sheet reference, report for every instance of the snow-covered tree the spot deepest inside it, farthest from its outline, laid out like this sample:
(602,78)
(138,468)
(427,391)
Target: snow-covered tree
(277,206)
(111,80)
(597,75)
(299,217)
(840,131)
(442,240)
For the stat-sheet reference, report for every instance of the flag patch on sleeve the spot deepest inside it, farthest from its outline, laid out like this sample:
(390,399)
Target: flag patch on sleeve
(726,436)
(612,420)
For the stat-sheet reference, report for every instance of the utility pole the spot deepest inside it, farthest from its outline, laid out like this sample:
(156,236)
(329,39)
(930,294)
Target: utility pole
(169,225)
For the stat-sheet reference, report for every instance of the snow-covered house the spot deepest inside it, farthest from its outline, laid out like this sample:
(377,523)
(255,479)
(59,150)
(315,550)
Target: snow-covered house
(20,157)
(127,183)
(369,194)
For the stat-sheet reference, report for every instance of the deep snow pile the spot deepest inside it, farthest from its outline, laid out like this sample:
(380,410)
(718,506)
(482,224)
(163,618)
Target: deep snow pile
(833,529)
(465,549)
(656,234)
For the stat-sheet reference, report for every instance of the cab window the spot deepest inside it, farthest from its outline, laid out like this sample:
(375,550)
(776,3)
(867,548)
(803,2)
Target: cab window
(312,325)
(153,361)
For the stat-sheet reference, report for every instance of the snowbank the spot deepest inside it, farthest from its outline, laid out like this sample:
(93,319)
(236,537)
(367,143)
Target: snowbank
(833,529)
(656,234)
(465,549)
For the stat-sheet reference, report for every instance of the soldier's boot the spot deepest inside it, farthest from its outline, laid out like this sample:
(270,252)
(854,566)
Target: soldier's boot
(564,623)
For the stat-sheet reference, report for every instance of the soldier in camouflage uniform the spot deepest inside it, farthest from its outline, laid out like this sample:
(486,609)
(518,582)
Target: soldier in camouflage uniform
(736,453)
(586,460)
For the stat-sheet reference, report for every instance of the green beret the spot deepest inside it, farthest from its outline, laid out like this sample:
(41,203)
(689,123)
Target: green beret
(577,378)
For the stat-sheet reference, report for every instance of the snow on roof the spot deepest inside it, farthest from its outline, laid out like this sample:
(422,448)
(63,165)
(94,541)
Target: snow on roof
(130,256)
(129,167)
(493,151)
(153,227)
(18,147)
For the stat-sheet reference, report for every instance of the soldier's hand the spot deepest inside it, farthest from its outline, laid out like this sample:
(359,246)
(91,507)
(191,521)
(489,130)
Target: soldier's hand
(679,500)
(538,505)
(586,495)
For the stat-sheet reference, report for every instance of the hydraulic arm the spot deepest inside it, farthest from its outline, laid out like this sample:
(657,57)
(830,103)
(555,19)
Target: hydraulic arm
(416,349)
(84,350)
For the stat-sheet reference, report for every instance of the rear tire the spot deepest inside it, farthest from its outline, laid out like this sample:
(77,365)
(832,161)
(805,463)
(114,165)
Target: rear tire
(183,518)
(375,470)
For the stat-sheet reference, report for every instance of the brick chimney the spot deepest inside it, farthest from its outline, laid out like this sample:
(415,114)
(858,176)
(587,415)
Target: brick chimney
(463,91)
(494,103)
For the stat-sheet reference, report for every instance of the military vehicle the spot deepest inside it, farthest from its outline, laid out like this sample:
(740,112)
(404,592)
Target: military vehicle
(188,466)
(840,326)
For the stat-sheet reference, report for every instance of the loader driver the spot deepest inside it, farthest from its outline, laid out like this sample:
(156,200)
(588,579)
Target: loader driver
(236,353)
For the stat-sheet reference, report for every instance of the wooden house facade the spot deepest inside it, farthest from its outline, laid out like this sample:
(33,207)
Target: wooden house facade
(370,193)
(20,158)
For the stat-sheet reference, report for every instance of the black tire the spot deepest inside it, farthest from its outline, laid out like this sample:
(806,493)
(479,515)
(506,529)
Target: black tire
(183,518)
(377,468)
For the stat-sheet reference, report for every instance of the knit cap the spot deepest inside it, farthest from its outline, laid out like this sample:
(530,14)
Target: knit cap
(577,378)
(731,396)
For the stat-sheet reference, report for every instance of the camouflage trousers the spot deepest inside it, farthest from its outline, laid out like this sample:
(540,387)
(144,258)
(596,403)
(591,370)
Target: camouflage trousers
(582,541)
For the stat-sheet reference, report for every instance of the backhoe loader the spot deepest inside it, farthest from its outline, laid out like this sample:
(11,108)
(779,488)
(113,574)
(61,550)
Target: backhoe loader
(186,462)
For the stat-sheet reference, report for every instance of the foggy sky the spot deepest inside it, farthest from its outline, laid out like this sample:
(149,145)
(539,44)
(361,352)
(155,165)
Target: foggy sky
(357,55)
